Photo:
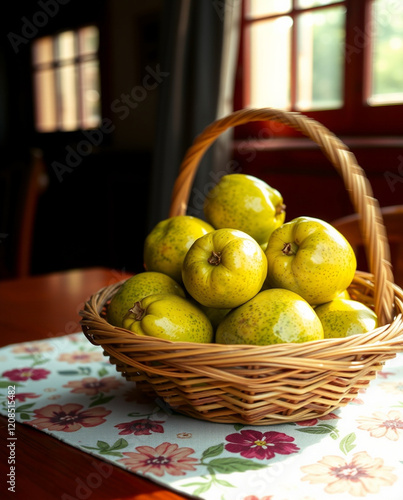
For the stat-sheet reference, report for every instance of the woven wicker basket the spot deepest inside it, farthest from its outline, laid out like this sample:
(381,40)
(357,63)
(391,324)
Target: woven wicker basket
(263,385)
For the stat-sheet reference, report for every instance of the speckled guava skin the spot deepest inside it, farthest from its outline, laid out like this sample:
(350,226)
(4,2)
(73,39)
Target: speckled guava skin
(136,288)
(311,258)
(169,317)
(224,269)
(167,243)
(246,203)
(272,317)
(346,317)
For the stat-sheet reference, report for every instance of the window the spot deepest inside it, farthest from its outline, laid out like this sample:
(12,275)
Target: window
(340,62)
(66,80)
(386,77)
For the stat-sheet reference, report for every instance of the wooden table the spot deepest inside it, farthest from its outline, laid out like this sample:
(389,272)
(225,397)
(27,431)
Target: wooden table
(42,307)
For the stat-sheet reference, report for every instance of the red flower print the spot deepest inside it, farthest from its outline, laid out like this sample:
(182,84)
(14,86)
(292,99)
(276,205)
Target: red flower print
(143,426)
(23,374)
(314,421)
(255,444)
(68,418)
(91,385)
(166,457)
(22,396)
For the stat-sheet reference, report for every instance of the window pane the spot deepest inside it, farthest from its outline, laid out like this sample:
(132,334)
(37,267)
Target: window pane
(258,8)
(66,47)
(89,40)
(270,43)
(45,110)
(387,57)
(68,98)
(42,51)
(304,4)
(320,61)
(90,93)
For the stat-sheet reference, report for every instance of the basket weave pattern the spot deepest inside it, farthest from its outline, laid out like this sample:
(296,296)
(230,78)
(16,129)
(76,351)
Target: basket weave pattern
(264,385)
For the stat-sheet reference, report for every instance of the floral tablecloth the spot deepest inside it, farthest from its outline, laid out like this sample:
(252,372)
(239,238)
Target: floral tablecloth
(66,387)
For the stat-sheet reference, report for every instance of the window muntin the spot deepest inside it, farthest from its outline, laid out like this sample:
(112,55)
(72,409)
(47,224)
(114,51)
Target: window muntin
(66,80)
(306,65)
(295,54)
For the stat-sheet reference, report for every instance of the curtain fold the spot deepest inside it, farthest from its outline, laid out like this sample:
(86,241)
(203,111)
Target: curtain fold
(199,51)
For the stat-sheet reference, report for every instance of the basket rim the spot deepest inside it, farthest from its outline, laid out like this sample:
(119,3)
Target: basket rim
(249,384)
(93,324)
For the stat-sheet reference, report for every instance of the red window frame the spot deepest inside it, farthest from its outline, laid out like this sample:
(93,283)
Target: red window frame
(355,117)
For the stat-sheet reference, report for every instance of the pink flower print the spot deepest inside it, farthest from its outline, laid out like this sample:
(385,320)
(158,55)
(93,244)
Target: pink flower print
(165,458)
(81,357)
(68,418)
(358,476)
(73,337)
(392,387)
(255,444)
(254,497)
(388,425)
(143,426)
(23,374)
(32,348)
(91,385)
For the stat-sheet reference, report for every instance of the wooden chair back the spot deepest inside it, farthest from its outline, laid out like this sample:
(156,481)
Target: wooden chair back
(392,216)
(22,182)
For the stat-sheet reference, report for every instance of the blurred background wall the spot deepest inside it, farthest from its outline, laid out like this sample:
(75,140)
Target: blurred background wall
(95,214)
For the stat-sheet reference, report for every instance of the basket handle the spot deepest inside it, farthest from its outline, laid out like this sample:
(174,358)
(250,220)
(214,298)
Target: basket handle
(355,181)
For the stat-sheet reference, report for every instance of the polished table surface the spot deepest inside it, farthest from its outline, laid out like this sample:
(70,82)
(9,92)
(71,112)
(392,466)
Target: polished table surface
(48,306)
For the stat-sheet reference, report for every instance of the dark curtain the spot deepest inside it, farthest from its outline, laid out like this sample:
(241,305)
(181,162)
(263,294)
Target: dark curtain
(199,47)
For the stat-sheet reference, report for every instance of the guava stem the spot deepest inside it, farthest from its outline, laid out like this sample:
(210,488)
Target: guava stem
(138,311)
(280,209)
(215,258)
(289,248)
